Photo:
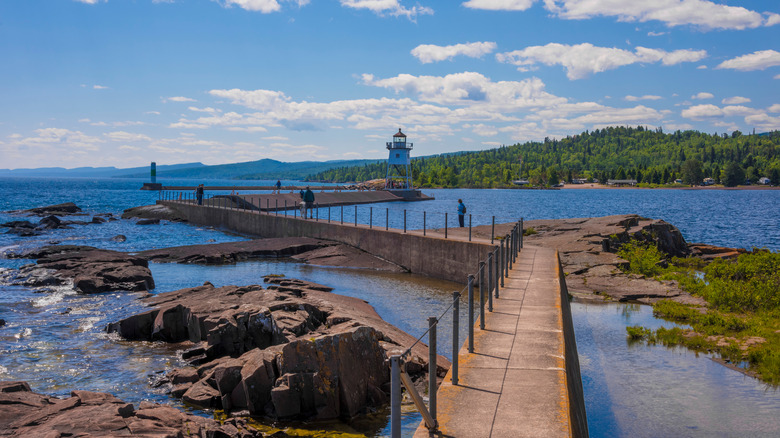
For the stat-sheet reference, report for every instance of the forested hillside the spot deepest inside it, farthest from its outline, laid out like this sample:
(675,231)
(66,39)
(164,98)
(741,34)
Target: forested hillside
(649,156)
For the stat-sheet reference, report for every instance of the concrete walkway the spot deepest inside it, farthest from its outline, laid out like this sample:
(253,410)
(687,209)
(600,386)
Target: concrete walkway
(515,382)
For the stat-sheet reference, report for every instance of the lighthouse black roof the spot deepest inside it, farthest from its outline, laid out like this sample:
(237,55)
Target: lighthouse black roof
(399,134)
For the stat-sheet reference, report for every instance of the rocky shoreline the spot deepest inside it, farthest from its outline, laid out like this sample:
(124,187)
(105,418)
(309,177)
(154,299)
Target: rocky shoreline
(24,413)
(588,249)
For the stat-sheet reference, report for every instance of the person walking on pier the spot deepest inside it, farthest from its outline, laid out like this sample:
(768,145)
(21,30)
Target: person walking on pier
(308,198)
(461,212)
(199,194)
(278,186)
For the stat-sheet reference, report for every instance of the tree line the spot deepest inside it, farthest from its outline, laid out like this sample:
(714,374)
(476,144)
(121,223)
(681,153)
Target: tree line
(645,155)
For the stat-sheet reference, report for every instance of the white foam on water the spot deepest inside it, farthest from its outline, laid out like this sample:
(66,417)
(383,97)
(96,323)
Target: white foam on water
(24,333)
(3,371)
(57,294)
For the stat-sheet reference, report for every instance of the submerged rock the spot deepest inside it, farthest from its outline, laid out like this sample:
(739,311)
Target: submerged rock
(24,413)
(91,270)
(156,211)
(292,350)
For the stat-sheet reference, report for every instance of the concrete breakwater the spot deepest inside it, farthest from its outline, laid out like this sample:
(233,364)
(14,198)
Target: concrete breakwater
(431,255)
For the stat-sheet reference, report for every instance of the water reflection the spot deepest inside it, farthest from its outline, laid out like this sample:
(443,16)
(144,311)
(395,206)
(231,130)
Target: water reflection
(652,390)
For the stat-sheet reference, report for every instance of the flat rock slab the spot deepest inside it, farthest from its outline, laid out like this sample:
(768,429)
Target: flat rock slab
(91,270)
(26,414)
(313,251)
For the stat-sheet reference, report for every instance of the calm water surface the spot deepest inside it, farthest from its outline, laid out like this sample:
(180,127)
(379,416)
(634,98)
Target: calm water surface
(56,341)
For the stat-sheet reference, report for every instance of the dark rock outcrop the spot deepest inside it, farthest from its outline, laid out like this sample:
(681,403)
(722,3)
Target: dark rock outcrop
(156,211)
(58,209)
(90,269)
(588,248)
(148,222)
(118,238)
(314,251)
(292,350)
(91,414)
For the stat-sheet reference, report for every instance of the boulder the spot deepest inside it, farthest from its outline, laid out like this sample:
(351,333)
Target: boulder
(148,222)
(85,413)
(119,238)
(292,350)
(49,222)
(157,211)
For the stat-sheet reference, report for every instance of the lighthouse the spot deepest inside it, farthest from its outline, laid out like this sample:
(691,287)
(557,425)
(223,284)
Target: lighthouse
(399,163)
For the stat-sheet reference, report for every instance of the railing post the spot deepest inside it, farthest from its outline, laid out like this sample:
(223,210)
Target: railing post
(267,205)
(295,211)
(276,208)
(493,230)
(509,248)
(490,281)
(471,312)
(455,333)
(370,217)
(497,262)
(482,295)
(395,396)
(328,213)
(317,214)
(522,232)
(342,215)
(503,262)
(469,227)
(355,215)
(387,218)
(432,366)
(285,208)
(404,220)
(424,222)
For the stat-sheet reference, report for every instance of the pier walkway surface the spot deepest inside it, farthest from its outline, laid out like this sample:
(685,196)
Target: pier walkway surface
(517,383)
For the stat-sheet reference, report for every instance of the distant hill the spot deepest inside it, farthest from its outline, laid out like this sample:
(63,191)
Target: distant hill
(261,169)
(620,152)
(93,172)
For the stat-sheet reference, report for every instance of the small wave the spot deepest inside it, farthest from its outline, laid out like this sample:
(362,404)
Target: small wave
(24,333)
(87,324)
(3,371)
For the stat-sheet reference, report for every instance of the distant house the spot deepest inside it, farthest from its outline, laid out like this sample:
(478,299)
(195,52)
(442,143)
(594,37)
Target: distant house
(708,181)
(579,180)
(621,182)
(764,181)
(678,181)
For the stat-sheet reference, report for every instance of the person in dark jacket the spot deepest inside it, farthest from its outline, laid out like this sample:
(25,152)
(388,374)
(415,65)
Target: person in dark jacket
(461,212)
(199,194)
(278,186)
(308,198)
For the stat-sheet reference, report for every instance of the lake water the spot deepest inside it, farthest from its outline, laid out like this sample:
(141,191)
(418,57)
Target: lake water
(56,342)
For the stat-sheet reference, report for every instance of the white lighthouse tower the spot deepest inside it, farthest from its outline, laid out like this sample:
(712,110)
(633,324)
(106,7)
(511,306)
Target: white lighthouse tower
(399,163)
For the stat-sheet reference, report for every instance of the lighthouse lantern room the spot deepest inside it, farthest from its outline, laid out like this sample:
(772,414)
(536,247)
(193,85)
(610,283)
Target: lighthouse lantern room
(399,163)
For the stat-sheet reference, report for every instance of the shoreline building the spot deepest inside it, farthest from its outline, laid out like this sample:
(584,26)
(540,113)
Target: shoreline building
(399,163)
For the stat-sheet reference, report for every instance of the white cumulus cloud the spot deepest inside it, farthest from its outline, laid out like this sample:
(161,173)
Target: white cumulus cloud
(753,61)
(499,5)
(700,13)
(388,7)
(584,59)
(428,53)
(735,100)
(631,98)
(703,95)
(178,99)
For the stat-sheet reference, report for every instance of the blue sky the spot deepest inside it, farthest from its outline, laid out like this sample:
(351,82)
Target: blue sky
(122,83)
